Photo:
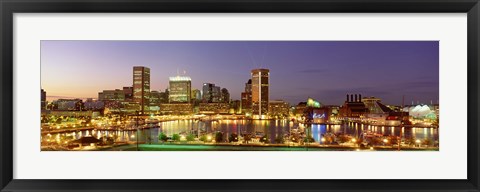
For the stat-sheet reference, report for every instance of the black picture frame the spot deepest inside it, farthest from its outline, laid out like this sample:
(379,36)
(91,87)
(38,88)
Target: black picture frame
(9,7)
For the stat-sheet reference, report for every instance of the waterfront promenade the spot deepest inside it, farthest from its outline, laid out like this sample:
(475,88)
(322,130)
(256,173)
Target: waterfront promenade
(230,147)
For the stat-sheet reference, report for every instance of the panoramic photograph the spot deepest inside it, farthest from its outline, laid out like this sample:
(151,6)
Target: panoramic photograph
(368,96)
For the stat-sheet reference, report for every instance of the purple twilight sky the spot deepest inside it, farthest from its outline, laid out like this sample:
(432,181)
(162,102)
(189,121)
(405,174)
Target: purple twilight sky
(324,70)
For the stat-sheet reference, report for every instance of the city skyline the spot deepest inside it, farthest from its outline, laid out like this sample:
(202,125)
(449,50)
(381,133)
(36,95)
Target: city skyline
(324,70)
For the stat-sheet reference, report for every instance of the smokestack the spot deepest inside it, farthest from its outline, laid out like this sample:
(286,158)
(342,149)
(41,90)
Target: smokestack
(360,97)
(347,97)
(356,98)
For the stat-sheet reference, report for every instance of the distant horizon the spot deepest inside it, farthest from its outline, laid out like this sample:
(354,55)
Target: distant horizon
(323,70)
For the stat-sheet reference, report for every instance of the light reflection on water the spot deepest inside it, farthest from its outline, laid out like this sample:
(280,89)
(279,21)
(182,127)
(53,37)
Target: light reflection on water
(271,128)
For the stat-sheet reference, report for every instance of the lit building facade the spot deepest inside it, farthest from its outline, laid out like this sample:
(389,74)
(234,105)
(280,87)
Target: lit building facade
(216,94)
(214,108)
(128,91)
(196,95)
(164,96)
(374,105)
(128,107)
(299,109)
(180,89)
(278,109)
(322,115)
(141,87)
(115,105)
(69,104)
(207,92)
(111,95)
(353,107)
(154,98)
(93,105)
(225,97)
(260,91)
(236,107)
(43,99)
(246,98)
(196,98)
(377,112)
(176,108)
(91,114)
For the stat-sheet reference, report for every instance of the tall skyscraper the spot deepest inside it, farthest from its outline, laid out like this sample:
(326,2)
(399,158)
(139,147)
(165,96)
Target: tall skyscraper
(216,94)
(260,86)
(225,95)
(247,98)
(141,87)
(180,89)
(207,92)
